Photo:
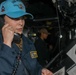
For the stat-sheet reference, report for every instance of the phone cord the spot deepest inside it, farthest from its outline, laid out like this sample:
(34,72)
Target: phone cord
(17,64)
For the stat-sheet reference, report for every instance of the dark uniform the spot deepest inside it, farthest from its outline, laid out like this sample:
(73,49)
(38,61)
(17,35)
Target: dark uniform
(27,65)
(43,52)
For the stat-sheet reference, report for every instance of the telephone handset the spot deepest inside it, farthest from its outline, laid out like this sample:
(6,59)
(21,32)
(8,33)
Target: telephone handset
(17,36)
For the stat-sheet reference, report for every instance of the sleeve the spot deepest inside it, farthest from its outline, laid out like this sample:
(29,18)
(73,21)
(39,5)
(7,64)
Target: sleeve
(39,47)
(7,57)
(30,62)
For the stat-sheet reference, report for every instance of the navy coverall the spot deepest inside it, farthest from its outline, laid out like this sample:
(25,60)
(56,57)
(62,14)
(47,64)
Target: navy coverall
(8,58)
(43,52)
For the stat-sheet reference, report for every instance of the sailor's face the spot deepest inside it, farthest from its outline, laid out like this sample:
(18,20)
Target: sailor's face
(16,23)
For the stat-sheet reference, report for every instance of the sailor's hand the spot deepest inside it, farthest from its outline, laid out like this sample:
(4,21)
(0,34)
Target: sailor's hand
(46,72)
(8,34)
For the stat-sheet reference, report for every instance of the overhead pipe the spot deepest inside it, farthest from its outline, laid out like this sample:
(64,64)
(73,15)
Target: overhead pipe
(44,19)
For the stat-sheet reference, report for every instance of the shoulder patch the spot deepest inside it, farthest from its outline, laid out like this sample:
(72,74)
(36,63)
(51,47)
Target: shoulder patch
(33,54)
